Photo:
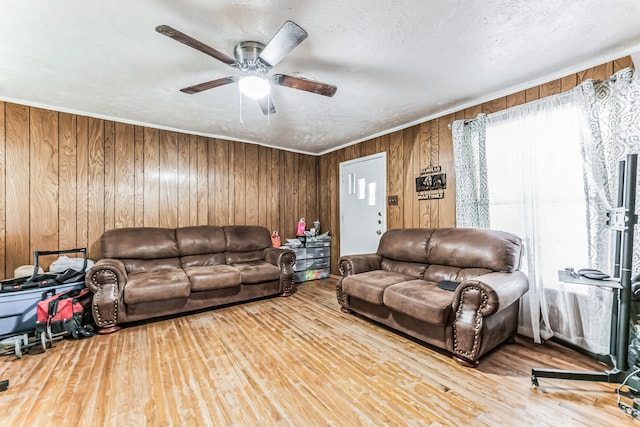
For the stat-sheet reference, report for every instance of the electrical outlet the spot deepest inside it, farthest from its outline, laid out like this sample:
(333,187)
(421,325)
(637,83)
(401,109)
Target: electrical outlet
(392,200)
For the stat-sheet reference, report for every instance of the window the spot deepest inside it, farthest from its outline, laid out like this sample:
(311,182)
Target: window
(535,181)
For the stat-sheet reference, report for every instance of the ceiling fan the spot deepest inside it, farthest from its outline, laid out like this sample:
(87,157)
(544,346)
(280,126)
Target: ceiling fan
(255,60)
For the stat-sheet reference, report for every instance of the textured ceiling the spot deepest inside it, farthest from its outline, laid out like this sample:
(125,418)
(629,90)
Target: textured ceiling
(395,63)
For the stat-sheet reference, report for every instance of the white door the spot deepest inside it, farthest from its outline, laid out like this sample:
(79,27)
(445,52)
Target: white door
(363,213)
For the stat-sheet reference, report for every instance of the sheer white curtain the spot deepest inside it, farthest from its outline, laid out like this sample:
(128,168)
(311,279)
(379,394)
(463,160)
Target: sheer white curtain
(536,190)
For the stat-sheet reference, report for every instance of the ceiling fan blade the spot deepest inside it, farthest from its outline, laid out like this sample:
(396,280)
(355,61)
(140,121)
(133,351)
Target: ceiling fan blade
(305,84)
(208,85)
(191,42)
(267,105)
(284,41)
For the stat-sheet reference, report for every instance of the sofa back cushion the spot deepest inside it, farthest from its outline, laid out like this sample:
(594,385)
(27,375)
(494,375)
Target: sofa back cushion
(136,265)
(202,260)
(240,257)
(475,248)
(407,244)
(411,269)
(201,245)
(246,238)
(245,243)
(436,273)
(200,240)
(150,243)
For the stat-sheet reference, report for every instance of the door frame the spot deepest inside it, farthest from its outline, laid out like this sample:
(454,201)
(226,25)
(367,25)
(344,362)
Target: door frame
(347,163)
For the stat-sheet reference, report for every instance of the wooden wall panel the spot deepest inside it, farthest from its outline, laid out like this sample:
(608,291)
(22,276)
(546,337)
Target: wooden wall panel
(264,175)
(124,176)
(423,141)
(434,159)
(193,180)
(17,190)
(252,169)
(151,177)
(95,190)
(109,175)
(168,179)
(3,170)
(276,199)
(138,179)
(43,179)
(239,187)
(446,206)
(621,63)
(67,182)
(183,180)
(82,180)
(221,193)
(395,185)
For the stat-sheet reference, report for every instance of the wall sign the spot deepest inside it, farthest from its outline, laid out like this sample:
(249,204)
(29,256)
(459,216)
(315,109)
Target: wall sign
(431,183)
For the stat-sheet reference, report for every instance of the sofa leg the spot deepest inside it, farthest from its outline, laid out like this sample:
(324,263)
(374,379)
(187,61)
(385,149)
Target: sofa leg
(108,330)
(345,310)
(466,363)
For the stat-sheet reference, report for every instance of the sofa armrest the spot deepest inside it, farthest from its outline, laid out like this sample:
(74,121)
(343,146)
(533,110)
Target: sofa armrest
(354,264)
(106,279)
(284,259)
(478,298)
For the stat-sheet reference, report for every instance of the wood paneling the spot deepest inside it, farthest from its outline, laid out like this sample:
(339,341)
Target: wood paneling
(17,187)
(3,180)
(65,179)
(411,149)
(294,361)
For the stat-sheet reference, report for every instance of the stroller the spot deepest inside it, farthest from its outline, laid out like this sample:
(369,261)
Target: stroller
(43,308)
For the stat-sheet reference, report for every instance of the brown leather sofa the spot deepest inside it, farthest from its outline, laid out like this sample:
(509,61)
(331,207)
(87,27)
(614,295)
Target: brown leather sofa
(398,287)
(150,272)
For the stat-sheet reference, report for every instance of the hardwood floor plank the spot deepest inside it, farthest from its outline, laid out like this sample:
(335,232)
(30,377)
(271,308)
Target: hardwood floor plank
(294,361)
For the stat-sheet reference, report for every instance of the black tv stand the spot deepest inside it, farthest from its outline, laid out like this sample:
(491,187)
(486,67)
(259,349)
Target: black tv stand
(623,220)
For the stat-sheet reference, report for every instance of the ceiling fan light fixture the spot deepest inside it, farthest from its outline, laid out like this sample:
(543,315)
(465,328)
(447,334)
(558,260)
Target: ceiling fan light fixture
(254,87)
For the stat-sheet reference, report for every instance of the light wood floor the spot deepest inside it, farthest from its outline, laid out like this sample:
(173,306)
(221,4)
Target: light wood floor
(294,361)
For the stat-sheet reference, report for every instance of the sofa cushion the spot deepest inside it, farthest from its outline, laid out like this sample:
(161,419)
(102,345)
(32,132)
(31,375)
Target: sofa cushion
(200,239)
(202,260)
(205,278)
(135,266)
(141,243)
(407,244)
(421,300)
(475,248)
(435,273)
(156,286)
(240,257)
(257,272)
(370,286)
(245,238)
(411,269)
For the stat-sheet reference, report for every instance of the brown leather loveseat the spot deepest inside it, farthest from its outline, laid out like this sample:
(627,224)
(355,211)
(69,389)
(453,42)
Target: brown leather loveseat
(405,285)
(150,272)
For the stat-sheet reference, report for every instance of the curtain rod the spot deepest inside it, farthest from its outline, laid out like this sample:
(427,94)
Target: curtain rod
(465,122)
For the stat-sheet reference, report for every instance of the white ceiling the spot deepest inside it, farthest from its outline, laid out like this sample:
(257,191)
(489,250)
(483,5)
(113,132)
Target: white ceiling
(395,62)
